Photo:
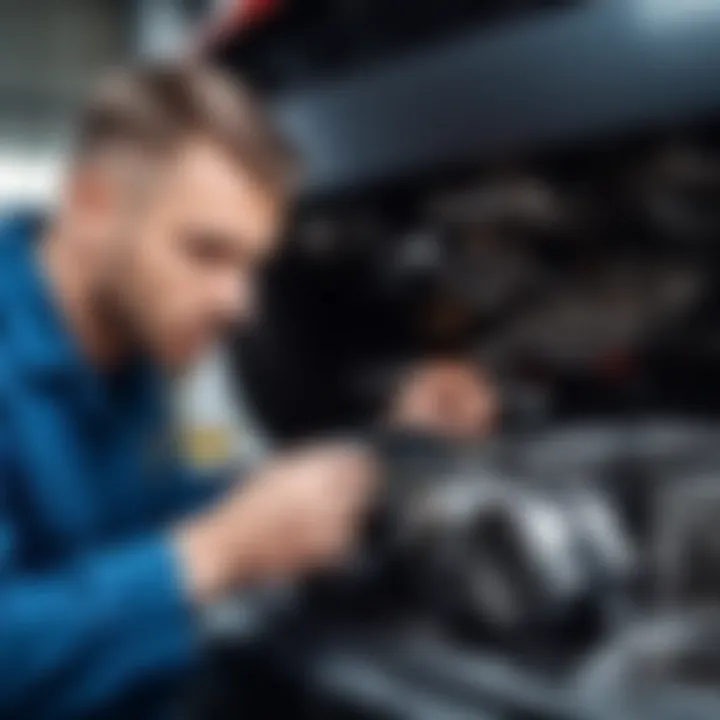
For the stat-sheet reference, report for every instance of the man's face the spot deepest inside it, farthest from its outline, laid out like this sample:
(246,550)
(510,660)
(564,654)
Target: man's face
(180,263)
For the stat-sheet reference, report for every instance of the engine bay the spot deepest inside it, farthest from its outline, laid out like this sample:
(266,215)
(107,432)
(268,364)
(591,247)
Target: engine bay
(570,573)
(555,222)
(539,571)
(589,279)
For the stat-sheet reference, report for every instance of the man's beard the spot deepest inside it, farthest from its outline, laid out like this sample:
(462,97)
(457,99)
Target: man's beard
(113,313)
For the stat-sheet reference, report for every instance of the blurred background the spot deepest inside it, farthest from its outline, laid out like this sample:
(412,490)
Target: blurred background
(51,52)
(507,247)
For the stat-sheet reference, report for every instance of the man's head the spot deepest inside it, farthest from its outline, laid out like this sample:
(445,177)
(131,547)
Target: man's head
(177,197)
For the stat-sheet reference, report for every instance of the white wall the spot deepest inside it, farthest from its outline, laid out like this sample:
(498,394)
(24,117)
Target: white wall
(29,178)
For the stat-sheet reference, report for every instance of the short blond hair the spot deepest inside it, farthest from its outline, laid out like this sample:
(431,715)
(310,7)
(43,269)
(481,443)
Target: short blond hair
(155,107)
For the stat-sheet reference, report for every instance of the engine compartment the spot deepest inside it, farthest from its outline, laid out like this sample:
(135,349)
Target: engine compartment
(540,195)
(534,575)
(570,573)
(587,276)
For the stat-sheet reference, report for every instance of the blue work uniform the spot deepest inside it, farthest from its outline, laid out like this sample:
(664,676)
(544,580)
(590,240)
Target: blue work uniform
(94,618)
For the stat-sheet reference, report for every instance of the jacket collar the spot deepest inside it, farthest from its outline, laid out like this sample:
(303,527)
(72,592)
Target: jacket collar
(40,339)
(42,343)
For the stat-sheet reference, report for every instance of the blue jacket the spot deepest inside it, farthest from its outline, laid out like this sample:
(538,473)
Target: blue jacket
(93,617)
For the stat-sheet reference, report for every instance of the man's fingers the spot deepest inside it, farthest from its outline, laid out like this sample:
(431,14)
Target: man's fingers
(355,474)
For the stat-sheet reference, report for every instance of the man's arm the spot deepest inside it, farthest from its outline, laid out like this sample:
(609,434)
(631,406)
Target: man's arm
(184,491)
(90,634)
(78,639)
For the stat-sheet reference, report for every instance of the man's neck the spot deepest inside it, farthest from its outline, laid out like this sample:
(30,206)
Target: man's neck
(71,289)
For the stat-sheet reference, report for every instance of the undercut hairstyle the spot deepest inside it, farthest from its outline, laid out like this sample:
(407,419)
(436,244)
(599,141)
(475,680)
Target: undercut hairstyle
(154,108)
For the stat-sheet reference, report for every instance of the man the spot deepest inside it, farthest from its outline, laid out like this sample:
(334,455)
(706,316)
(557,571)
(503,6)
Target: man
(448,398)
(109,552)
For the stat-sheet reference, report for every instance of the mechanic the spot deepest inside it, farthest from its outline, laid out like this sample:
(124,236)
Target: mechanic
(110,551)
(446,397)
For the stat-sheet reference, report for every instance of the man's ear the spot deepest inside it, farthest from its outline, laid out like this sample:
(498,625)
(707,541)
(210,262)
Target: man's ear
(90,191)
(96,197)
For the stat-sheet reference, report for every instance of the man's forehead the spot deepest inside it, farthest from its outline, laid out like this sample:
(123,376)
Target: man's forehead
(206,180)
(202,168)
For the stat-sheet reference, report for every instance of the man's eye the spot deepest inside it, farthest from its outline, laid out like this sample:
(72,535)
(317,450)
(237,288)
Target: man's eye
(206,249)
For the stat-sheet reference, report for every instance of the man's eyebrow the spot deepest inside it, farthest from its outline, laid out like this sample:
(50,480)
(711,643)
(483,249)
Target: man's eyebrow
(231,243)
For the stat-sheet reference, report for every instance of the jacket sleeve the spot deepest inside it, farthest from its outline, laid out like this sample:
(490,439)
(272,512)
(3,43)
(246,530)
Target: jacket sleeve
(184,492)
(87,636)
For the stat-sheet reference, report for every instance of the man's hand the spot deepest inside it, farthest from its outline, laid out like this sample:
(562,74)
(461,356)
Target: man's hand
(450,399)
(301,512)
